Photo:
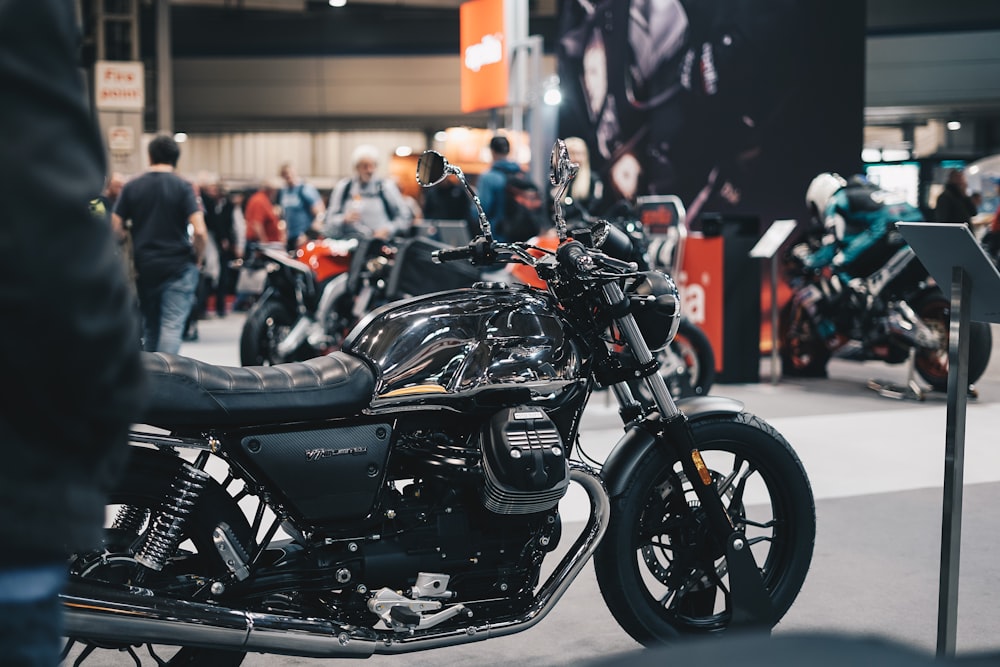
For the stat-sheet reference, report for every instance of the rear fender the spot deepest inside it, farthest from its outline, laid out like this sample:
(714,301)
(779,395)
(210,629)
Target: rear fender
(640,438)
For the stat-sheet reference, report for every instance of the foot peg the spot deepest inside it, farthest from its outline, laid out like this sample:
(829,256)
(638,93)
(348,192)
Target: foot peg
(406,614)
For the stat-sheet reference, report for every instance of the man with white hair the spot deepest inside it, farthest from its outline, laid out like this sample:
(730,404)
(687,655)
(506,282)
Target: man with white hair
(366,205)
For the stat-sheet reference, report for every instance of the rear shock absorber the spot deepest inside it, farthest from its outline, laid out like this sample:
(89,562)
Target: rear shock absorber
(167,527)
(130,519)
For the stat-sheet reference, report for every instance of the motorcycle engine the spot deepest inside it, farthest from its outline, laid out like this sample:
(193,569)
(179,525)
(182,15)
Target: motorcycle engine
(524,462)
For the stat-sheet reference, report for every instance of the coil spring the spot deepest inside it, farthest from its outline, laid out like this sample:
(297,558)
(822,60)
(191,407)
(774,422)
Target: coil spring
(167,527)
(130,519)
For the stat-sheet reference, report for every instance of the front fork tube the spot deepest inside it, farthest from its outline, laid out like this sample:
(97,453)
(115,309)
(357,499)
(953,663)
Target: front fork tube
(749,599)
(633,338)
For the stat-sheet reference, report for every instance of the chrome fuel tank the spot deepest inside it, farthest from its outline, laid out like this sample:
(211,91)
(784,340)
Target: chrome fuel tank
(467,340)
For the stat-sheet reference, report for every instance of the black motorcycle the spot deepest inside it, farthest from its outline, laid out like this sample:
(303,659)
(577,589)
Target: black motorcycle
(416,476)
(894,313)
(311,301)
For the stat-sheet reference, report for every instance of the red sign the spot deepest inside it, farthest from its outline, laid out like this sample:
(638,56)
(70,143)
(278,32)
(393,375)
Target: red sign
(119,86)
(485,61)
(700,285)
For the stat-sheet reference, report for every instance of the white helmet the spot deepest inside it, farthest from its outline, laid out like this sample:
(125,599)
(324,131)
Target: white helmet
(820,190)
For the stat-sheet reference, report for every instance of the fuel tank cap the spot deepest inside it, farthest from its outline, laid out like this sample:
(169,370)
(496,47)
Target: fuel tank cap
(490,285)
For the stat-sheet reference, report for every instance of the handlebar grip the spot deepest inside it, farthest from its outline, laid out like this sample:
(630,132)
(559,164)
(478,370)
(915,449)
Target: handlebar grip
(575,255)
(452,254)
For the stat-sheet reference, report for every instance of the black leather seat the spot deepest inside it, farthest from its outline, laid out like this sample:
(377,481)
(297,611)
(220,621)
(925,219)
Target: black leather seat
(187,392)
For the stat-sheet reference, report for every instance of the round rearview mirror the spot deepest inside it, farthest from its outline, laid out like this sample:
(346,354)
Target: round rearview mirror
(559,163)
(599,232)
(432,168)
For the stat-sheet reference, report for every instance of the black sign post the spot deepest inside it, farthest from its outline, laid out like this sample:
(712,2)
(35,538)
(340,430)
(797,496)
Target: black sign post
(961,267)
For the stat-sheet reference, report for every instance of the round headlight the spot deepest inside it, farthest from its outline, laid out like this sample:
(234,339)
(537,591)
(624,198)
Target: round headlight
(657,310)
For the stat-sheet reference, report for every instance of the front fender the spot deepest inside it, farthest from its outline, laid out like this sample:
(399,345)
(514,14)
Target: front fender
(628,454)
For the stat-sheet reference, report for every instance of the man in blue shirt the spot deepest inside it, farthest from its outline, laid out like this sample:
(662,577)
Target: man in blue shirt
(491,187)
(301,206)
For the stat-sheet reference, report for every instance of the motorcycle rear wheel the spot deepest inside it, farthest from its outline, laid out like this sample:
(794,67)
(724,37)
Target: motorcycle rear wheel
(660,571)
(142,489)
(932,365)
(267,323)
(803,353)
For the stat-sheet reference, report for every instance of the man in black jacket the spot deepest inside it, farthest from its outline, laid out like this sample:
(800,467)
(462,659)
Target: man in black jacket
(954,204)
(69,357)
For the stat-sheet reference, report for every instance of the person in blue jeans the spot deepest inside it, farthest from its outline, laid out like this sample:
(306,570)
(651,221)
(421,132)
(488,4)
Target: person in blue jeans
(168,237)
(72,367)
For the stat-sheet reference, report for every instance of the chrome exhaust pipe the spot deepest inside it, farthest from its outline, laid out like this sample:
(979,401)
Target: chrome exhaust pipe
(108,612)
(550,592)
(118,614)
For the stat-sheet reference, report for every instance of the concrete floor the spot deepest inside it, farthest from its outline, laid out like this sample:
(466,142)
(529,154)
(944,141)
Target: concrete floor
(876,467)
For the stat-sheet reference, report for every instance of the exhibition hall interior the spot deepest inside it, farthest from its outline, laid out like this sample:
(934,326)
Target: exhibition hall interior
(600,332)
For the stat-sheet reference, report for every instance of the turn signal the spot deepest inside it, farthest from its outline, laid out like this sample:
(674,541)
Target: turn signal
(703,471)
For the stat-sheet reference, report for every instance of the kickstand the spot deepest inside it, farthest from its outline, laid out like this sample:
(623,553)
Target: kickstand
(911,390)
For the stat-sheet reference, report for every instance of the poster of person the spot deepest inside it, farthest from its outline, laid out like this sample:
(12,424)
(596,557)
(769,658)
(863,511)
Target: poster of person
(732,105)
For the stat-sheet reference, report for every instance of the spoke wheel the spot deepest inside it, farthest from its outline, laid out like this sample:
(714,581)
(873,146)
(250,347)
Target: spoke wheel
(130,511)
(662,572)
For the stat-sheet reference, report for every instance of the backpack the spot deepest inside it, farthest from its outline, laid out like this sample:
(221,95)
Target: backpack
(524,209)
(390,211)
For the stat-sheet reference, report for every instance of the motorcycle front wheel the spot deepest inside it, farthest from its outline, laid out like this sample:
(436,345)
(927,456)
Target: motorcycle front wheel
(661,572)
(932,365)
(267,323)
(132,509)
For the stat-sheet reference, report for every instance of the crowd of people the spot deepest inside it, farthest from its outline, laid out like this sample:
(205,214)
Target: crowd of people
(184,243)
(213,228)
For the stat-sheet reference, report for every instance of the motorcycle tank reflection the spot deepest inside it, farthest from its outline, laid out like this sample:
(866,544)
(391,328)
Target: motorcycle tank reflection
(466,340)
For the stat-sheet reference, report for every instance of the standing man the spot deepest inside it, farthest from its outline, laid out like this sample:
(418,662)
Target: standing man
(69,355)
(364,204)
(301,206)
(220,220)
(493,184)
(954,204)
(161,206)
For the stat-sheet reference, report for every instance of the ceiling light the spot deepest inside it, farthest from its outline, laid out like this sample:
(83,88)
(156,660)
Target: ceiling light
(404,151)
(954,125)
(338,3)
(180,137)
(871,155)
(895,154)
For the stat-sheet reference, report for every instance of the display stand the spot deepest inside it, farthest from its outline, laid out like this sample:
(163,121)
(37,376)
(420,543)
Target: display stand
(767,248)
(961,267)
(911,390)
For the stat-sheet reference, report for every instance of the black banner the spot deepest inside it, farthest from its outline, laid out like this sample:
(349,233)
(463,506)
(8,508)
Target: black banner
(733,105)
